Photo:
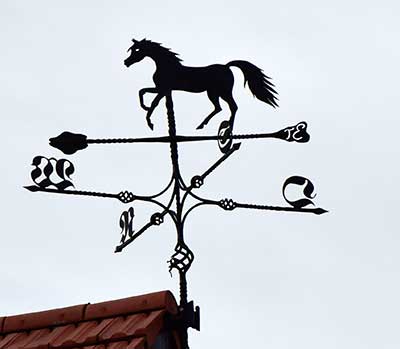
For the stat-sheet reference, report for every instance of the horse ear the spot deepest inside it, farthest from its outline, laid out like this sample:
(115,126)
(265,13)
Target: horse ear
(134,41)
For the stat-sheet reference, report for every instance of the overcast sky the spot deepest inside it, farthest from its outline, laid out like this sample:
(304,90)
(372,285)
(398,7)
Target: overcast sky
(265,279)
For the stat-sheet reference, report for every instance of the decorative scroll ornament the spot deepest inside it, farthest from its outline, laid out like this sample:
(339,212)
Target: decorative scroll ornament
(52,172)
(157,219)
(182,259)
(126,196)
(197,182)
(227,204)
(126,224)
(225,132)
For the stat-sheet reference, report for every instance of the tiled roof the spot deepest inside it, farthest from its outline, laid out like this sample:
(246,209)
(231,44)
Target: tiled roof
(129,323)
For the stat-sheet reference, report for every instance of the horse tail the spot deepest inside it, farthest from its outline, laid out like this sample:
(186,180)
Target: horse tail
(259,84)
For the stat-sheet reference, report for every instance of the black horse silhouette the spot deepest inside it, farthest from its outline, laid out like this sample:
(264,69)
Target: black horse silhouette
(216,79)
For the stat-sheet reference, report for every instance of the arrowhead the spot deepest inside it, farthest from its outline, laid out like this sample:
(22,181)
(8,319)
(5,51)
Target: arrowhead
(319,211)
(32,188)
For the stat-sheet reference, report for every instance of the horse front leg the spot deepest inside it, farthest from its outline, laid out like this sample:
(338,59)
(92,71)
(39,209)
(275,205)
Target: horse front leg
(142,92)
(154,104)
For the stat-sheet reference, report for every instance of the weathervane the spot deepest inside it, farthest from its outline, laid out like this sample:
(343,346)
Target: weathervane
(54,176)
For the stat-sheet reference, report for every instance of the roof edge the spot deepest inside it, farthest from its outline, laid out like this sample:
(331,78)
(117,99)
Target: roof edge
(2,319)
(42,319)
(85,312)
(131,305)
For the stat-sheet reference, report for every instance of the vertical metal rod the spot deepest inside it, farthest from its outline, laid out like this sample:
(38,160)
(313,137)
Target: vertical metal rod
(176,175)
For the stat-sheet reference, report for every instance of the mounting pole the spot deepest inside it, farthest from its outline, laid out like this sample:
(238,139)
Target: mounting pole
(176,174)
(179,225)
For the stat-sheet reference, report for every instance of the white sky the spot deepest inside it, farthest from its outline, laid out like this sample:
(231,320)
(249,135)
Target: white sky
(275,280)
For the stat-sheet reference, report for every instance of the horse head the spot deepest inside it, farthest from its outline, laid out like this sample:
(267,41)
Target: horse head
(138,52)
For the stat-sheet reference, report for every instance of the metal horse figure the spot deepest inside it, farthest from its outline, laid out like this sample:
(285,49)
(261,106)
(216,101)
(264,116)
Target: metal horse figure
(216,79)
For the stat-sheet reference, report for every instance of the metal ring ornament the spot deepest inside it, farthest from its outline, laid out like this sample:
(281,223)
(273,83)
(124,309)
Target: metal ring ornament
(225,136)
(157,219)
(227,204)
(126,197)
(197,181)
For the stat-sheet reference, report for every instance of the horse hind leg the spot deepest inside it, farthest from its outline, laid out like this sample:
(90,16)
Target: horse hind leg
(214,98)
(232,106)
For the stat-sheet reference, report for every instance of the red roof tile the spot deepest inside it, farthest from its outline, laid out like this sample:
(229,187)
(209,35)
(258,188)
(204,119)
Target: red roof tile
(129,323)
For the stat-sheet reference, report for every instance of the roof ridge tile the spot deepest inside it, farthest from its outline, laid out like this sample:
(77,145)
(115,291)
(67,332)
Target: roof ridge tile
(43,319)
(156,319)
(132,322)
(131,305)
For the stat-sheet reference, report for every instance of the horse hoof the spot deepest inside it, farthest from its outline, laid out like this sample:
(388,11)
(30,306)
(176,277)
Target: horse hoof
(145,107)
(151,126)
(201,126)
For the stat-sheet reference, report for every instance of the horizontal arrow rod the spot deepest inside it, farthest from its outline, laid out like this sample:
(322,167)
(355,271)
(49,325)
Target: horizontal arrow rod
(69,143)
(316,211)
(230,205)
(226,204)
(297,133)
(124,196)
(178,138)
(181,139)
(34,189)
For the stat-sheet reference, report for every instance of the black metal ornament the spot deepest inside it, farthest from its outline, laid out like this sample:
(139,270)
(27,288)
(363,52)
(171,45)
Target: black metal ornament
(216,79)
(54,176)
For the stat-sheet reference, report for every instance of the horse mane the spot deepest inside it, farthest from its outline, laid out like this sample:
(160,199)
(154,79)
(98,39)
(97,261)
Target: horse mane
(157,48)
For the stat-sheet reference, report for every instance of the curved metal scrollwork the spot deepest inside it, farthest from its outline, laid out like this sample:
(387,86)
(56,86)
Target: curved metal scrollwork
(225,134)
(308,191)
(182,259)
(52,173)
(126,224)
(53,176)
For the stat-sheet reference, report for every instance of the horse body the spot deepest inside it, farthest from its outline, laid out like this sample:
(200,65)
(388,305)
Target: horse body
(217,79)
(201,79)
